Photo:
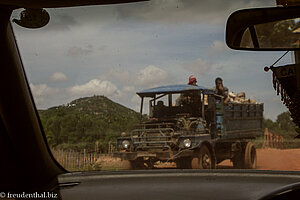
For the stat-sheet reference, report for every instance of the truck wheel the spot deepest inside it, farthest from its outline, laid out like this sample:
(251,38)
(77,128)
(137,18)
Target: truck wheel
(247,158)
(250,156)
(203,160)
(184,163)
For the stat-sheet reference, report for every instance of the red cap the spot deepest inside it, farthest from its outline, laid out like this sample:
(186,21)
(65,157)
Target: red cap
(192,79)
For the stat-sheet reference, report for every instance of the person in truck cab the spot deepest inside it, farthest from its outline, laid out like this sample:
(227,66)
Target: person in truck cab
(191,100)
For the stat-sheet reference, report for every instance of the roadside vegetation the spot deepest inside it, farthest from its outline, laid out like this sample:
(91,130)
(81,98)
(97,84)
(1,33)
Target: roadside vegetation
(282,126)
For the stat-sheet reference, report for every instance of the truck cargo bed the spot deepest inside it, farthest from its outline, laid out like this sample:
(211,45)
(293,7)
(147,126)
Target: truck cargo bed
(243,120)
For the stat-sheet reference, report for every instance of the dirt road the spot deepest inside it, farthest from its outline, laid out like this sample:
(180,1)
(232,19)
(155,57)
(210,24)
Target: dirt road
(274,159)
(267,159)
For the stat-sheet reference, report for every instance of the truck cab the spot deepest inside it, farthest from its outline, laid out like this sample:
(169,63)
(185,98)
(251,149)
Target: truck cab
(181,102)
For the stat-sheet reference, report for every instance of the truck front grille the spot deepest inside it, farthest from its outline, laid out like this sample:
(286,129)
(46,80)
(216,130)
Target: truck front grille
(156,138)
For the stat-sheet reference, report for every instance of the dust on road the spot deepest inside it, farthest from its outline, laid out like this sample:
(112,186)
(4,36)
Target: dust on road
(274,159)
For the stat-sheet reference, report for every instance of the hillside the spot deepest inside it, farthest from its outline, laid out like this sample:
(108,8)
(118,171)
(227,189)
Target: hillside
(85,121)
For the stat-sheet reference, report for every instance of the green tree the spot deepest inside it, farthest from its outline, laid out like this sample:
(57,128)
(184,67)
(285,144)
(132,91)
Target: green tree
(268,123)
(83,125)
(284,122)
(54,126)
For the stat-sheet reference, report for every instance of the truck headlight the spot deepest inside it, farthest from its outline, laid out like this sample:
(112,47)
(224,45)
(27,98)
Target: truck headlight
(187,143)
(125,144)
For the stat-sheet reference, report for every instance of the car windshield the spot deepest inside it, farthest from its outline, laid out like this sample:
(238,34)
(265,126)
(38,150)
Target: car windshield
(90,68)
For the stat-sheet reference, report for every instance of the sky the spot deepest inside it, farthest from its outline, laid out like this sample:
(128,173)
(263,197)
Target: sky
(121,49)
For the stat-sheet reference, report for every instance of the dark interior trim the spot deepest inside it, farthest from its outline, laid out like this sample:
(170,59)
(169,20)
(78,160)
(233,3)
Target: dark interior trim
(29,164)
(62,3)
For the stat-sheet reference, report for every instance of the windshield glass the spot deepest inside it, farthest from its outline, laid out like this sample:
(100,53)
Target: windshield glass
(86,66)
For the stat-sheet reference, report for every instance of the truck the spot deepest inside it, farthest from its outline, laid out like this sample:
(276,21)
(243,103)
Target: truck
(193,127)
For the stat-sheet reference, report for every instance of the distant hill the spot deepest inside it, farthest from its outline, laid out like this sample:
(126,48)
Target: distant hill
(82,122)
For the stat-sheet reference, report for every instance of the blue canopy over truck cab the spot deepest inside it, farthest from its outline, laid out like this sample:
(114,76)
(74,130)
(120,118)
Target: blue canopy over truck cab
(176,100)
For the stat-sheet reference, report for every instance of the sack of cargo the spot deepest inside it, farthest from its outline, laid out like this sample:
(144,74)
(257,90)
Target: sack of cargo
(241,95)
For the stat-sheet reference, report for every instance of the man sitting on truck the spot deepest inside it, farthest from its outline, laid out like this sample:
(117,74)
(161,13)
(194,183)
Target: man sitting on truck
(220,89)
(192,80)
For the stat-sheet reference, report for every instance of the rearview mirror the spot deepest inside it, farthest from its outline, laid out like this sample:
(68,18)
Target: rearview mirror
(33,18)
(266,29)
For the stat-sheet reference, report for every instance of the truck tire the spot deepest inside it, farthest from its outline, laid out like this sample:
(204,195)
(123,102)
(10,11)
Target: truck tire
(203,160)
(247,158)
(250,156)
(184,163)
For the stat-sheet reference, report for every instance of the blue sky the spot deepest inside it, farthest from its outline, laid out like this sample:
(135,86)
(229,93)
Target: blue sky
(118,50)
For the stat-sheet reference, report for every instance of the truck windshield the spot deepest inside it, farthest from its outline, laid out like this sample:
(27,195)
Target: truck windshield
(88,64)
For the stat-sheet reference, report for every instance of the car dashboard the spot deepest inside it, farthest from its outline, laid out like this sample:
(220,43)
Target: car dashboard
(180,184)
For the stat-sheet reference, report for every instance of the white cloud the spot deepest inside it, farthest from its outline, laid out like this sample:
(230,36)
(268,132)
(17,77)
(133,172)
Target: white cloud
(95,87)
(58,76)
(42,90)
(219,46)
(152,76)
(199,67)
(41,94)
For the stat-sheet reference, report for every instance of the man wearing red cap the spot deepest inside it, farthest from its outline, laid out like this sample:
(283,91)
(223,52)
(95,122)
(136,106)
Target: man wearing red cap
(192,80)
(184,98)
